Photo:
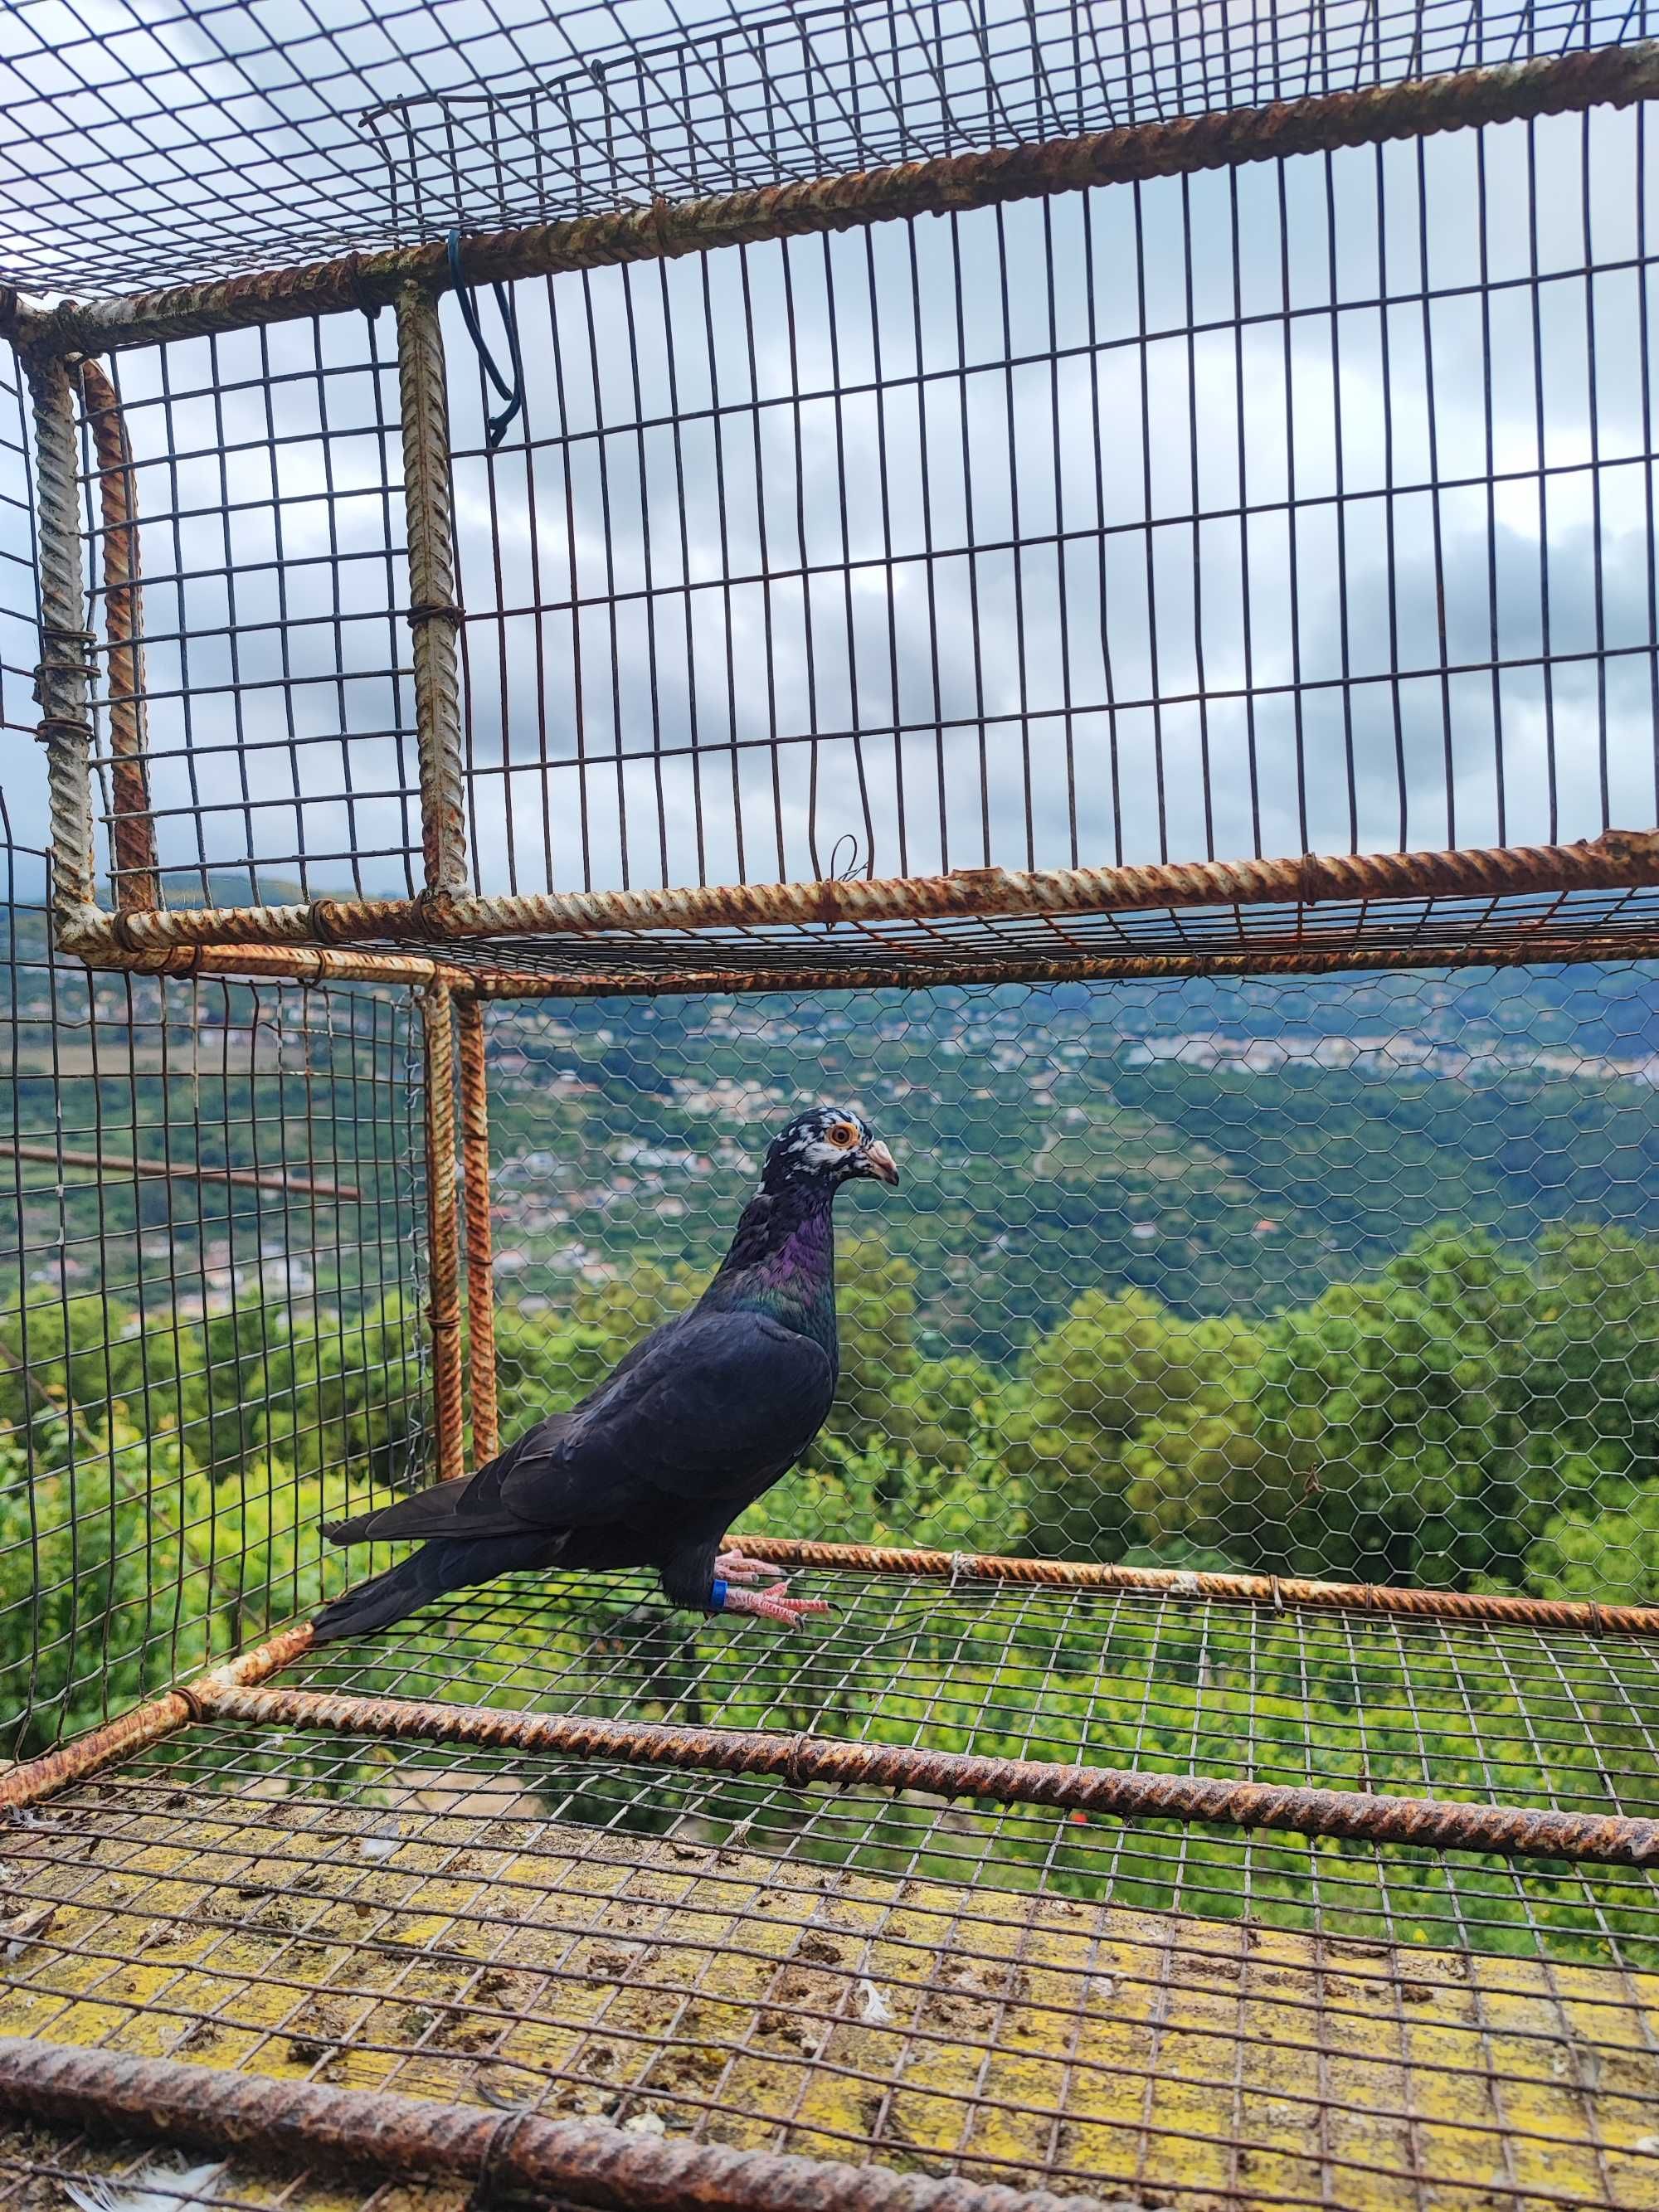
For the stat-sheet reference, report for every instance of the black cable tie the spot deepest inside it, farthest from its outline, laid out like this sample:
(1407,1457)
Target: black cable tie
(496,426)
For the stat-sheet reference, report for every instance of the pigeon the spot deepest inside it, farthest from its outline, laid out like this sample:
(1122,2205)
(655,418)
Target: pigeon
(695,1424)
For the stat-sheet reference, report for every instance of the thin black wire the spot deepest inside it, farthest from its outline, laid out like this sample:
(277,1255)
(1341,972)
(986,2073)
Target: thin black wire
(512,393)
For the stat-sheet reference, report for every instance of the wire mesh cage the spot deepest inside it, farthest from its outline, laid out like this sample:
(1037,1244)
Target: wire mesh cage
(1083,585)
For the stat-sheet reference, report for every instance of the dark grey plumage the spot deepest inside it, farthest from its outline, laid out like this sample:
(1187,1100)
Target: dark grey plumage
(694,1425)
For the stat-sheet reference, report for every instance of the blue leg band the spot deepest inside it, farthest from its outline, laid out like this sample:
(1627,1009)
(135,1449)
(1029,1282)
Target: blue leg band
(717,1596)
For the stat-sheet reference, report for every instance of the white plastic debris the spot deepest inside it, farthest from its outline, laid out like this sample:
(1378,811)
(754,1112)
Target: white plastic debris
(157,2187)
(646,2124)
(376,1847)
(1648,2145)
(874,2009)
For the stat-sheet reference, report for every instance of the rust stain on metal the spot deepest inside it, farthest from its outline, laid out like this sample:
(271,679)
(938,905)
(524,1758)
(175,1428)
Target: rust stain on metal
(1609,1840)
(63,681)
(443,1230)
(1617,859)
(33,1779)
(112,1163)
(582,2162)
(1612,76)
(1497,1609)
(480,1267)
(36,1778)
(300,964)
(133,830)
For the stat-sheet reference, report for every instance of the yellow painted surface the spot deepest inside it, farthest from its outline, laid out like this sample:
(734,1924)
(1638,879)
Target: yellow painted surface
(488,1952)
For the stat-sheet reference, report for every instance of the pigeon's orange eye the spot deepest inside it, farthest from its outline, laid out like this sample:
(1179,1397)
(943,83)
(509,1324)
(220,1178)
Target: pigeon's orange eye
(843,1134)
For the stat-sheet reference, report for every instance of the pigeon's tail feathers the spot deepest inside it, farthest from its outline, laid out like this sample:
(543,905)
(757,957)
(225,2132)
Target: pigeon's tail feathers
(385,1598)
(451,1563)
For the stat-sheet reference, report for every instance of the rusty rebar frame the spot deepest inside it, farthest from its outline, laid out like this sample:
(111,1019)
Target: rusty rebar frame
(1120,1793)
(443,1229)
(1495,1608)
(314,965)
(581,2162)
(480,1259)
(1617,859)
(434,614)
(1609,76)
(64,680)
(33,1779)
(135,867)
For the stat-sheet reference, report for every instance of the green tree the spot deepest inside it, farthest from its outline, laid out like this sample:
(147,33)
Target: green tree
(1116,1364)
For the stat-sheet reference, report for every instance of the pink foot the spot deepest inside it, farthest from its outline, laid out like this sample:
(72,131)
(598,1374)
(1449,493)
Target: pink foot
(733,1567)
(773,1605)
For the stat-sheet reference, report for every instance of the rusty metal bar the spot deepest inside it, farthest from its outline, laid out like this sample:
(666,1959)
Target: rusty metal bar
(1617,859)
(33,1779)
(63,681)
(575,2162)
(314,965)
(1611,75)
(924,973)
(480,1269)
(1277,1590)
(434,615)
(250,1178)
(132,830)
(300,964)
(1607,1839)
(443,1228)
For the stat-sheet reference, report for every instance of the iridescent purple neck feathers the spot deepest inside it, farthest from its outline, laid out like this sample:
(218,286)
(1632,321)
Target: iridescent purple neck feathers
(782,1262)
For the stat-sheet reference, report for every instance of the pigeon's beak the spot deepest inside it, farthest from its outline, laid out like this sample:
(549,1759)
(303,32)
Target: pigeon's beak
(879,1161)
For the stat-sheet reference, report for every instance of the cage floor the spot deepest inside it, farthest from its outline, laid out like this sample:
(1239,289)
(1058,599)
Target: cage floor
(416,1920)
(1349,1701)
(1165,2014)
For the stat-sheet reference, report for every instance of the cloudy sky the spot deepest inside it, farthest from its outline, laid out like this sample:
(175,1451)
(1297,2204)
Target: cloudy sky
(1306,507)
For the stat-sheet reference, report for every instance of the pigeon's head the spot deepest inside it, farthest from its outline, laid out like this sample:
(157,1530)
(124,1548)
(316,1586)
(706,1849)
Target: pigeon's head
(826,1147)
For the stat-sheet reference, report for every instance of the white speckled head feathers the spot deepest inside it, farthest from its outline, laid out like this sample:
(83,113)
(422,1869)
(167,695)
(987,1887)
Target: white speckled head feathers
(829,1143)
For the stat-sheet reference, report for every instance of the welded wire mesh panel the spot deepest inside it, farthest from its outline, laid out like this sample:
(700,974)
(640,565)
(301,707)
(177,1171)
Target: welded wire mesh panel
(791,94)
(1386,2028)
(1352,1278)
(18,636)
(1515,1717)
(1305,508)
(267,477)
(209,1309)
(146,146)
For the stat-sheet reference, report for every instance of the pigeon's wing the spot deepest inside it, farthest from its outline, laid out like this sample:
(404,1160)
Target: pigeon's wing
(466,1505)
(708,1404)
(717,1404)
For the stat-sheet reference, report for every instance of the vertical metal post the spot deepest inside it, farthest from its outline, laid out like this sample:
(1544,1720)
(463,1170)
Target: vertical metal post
(480,1271)
(443,1228)
(62,684)
(132,830)
(434,612)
